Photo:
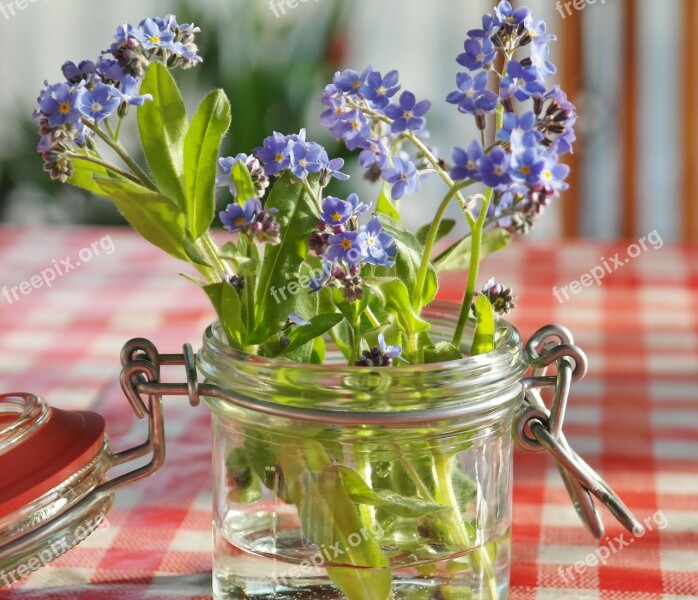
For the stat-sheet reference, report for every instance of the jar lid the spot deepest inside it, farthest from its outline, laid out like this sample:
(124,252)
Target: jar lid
(41,447)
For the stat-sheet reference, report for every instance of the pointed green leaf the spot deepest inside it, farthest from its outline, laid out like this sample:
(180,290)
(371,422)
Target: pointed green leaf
(445,227)
(457,257)
(385,205)
(201,145)
(226,302)
(244,186)
(402,506)
(163,124)
(483,340)
(282,289)
(397,301)
(154,216)
(84,173)
(300,335)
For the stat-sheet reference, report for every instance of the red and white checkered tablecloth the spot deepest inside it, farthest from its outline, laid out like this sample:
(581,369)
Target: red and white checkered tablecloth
(635,416)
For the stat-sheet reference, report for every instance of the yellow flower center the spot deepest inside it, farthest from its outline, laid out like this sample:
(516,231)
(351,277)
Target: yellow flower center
(336,217)
(279,157)
(154,39)
(371,241)
(381,91)
(526,170)
(64,108)
(511,19)
(240,221)
(302,162)
(346,244)
(96,107)
(547,175)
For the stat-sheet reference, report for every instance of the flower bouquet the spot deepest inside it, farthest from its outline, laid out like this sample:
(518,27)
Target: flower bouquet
(375,487)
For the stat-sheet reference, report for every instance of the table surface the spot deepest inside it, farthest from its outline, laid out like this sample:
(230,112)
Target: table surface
(635,416)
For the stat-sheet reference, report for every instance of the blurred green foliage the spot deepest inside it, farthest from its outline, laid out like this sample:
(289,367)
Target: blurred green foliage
(273,70)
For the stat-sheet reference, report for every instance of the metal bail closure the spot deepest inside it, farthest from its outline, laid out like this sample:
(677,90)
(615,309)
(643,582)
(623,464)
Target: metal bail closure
(539,429)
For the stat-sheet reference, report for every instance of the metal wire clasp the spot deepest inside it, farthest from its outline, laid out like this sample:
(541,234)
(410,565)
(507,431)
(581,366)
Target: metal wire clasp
(539,428)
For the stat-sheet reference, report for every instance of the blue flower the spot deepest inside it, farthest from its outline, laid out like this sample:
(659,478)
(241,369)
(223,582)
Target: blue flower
(128,91)
(539,60)
(225,177)
(57,103)
(527,166)
(353,128)
(323,278)
(235,217)
(494,168)
(275,153)
(375,152)
(469,88)
(521,82)
(296,319)
(358,207)
(332,168)
(306,159)
(345,246)
(109,69)
(520,130)
(77,73)
(538,32)
(337,103)
(554,175)
(378,247)
(378,90)
(409,114)
(403,176)
(466,162)
(153,35)
(490,26)
(506,13)
(335,211)
(99,102)
(349,81)
(393,352)
(477,54)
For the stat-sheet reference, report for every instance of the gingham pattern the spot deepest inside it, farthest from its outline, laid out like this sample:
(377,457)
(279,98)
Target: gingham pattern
(635,417)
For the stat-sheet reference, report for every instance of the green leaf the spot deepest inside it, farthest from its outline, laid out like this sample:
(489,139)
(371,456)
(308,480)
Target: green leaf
(483,340)
(201,145)
(281,288)
(329,517)
(445,227)
(243,183)
(397,301)
(226,301)
(154,216)
(457,257)
(318,352)
(194,254)
(300,335)
(384,204)
(441,352)
(163,124)
(408,260)
(84,173)
(402,506)
(245,486)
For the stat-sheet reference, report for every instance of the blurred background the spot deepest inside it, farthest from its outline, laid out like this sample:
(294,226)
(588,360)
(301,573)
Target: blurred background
(631,66)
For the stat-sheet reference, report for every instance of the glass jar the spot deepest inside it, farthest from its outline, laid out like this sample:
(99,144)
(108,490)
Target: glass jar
(51,463)
(361,483)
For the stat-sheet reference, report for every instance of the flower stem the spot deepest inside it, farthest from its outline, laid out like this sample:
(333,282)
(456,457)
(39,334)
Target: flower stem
(142,176)
(479,558)
(431,241)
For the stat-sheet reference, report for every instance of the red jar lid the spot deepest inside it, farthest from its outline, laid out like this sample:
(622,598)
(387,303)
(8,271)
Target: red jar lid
(53,449)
